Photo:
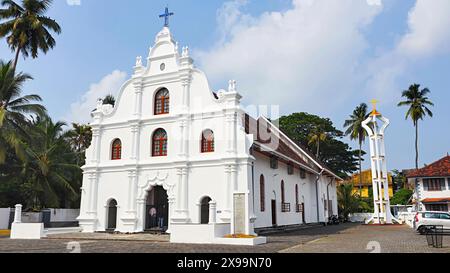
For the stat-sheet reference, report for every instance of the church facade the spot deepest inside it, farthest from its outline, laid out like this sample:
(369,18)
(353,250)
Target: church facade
(173,155)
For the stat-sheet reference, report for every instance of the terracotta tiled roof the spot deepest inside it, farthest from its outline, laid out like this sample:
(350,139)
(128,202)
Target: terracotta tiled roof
(436,200)
(270,142)
(439,168)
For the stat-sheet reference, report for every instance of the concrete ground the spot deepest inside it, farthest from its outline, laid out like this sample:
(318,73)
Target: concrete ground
(347,238)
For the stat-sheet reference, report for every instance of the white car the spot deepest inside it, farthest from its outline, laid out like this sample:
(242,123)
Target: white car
(431,218)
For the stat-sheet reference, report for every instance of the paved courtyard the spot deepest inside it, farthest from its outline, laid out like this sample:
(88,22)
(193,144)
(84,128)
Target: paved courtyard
(347,238)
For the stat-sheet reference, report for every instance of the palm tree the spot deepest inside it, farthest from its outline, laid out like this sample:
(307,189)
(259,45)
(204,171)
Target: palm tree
(348,202)
(418,103)
(26,27)
(79,138)
(355,130)
(110,99)
(50,166)
(316,136)
(14,108)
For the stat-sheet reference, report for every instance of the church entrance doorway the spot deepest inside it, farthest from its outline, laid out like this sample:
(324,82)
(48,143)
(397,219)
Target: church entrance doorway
(112,216)
(204,210)
(274,213)
(157,210)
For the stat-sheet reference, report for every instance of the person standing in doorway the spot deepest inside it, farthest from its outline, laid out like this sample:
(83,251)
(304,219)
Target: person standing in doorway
(153,217)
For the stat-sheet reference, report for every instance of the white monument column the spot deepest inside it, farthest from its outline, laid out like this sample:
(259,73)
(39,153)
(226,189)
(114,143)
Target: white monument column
(382,205)
(18,214)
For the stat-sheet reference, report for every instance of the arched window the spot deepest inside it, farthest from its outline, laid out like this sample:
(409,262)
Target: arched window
(159,143)
(283,199)
(262,193)
(207,141)
(162,102)
(116,150)
(204,210)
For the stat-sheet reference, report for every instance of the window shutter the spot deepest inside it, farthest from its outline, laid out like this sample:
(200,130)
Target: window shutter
(425,184)
(302,174)
(442,184)
(274,162)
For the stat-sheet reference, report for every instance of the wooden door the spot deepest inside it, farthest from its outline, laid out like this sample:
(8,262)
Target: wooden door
(274,212)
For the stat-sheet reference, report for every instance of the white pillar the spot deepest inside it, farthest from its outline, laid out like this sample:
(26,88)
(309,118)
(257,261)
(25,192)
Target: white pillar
(93,178)
(132,188)
(141,208)
(185,195)
(96,145)
(138,98)
(171,209)
(212,212)
(18,214)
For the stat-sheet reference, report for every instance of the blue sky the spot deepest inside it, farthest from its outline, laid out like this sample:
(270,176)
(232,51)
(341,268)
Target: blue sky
(319,56)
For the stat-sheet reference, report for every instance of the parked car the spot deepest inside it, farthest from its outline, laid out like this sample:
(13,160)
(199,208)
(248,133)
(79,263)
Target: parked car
(431,218)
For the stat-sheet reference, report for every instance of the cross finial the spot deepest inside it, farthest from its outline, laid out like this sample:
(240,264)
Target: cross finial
(166,16)
(374,104)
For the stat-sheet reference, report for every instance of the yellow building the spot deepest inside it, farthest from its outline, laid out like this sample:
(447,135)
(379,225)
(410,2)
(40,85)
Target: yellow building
(367,183)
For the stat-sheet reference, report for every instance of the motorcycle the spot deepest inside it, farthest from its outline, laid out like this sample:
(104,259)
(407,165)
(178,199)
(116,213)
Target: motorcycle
(333,220)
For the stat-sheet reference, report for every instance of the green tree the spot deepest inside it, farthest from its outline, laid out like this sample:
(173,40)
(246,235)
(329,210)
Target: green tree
(402,197)
(26,27)
(79,137)
(317,136)
(334,153)
(399,180)
(13,108)
(348,201)
(355,130)
(109,99)
(50,167)
(418,102)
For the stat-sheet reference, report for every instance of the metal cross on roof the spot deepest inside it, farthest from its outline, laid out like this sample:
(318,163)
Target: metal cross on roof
(166,16)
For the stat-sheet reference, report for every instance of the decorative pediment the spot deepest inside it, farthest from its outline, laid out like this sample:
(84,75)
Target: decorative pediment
(158,178)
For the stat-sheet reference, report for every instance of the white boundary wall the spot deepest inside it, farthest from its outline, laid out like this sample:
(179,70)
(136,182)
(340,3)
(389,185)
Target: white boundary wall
(4,218)
(64,215)
(360,217)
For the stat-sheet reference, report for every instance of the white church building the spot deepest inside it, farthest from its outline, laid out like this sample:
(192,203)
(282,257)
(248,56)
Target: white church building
(175,156)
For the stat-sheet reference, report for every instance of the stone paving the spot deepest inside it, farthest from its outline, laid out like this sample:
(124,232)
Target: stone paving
(368,239)
(345,238)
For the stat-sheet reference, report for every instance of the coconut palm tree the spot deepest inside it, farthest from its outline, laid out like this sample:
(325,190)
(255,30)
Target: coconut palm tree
(79,137)
(14,108)
(26,27)
(50,166)
(355,130)
(348,202)
(110,99)
(418,103)
(316,136)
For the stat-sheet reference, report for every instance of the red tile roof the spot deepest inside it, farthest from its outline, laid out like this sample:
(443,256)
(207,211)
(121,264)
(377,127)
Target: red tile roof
(439,168)
(436,200)
(267,141)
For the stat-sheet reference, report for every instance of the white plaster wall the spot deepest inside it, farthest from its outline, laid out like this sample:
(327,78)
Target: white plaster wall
(4,218)
(273,191)
(64,215)
(434,194)
(111,185)
(208,181)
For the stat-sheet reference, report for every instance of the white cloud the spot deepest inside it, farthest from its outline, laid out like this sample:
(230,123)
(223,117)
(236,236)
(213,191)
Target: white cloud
(310,52)
(427,36)
(429,23)
(80,111)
